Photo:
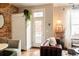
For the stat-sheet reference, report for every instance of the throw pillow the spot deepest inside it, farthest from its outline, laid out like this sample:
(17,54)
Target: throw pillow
(52,41)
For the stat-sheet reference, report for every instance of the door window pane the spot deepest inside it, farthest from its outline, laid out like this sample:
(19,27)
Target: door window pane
(38,14)
(38,31)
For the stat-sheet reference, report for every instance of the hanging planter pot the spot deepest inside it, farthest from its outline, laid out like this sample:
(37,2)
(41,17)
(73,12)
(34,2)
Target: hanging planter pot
(27,14)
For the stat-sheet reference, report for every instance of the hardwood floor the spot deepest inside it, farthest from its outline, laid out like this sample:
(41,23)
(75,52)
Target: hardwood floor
(36,52)
(31,52)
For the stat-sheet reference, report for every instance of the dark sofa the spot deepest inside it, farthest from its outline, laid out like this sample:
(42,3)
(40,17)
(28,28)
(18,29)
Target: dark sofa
(50,50)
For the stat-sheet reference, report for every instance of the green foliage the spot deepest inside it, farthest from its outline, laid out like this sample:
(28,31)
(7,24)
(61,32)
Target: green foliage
(27,14)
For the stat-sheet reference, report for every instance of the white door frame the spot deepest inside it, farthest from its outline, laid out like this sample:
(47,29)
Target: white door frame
(32,34)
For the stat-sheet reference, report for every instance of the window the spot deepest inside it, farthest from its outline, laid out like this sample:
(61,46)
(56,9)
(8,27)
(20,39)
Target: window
(38,14)
(75,23)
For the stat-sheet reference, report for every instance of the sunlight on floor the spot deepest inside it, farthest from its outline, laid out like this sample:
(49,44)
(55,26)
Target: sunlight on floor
(31,52)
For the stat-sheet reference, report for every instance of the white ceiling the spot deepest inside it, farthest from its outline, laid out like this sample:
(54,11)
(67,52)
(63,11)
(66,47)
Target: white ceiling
(60,4)
(37,4)
(27,4)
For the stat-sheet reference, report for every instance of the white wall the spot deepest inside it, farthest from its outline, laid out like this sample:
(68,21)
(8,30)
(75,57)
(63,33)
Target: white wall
(18,29)
(28,33)
(48,20)
(21,30)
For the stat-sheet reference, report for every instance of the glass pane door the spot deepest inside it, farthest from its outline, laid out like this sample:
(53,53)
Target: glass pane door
(37,27)
(38,31)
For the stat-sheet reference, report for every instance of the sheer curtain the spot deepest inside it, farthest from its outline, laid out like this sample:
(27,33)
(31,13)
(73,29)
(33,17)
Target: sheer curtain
(67,39)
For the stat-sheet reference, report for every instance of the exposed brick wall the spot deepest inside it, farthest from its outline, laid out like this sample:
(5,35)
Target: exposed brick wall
(6,10)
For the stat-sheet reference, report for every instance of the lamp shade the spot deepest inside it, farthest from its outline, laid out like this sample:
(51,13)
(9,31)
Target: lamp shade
(59,28)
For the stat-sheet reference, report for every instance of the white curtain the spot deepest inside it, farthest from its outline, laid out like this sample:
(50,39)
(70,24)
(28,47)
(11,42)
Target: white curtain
(67,39)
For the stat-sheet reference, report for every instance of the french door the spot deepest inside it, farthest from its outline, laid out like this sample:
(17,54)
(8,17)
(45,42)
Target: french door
(37,27)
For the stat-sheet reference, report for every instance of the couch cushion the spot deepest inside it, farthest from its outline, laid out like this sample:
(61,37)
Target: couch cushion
(13,43)
(46,43)
(50,51)
(11,49)
(52,41)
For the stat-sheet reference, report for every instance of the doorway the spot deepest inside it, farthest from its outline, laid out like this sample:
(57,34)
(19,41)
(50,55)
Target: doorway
(37,27)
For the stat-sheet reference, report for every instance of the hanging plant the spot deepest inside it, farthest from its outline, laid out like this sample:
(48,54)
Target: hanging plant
(27,14)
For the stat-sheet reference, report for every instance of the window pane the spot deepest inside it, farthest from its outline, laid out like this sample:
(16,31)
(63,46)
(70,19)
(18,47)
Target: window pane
(75,23)
(75,16)
(38,31)
(38,14)
(75,30)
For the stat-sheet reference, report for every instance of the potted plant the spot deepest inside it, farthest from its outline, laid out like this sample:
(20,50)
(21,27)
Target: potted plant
(27,14)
